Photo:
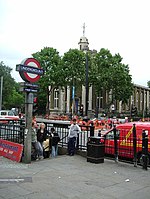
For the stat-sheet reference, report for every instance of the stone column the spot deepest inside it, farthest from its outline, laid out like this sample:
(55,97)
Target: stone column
(141,99)
(90,98)
(147,100)
(68,99)
(61,101)
(120,106)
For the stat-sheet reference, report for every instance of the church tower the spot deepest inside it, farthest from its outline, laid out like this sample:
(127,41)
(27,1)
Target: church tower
(83,43)
(86,99)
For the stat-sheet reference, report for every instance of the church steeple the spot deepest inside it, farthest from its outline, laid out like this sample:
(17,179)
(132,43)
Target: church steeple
(84,30)
(83,43)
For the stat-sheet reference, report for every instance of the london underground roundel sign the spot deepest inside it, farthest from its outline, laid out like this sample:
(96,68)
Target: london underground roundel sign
(30,70)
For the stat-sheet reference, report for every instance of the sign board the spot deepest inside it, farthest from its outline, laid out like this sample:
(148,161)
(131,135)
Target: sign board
(27,84)
(28,90)
(28,87)
(30,70)
(11,150)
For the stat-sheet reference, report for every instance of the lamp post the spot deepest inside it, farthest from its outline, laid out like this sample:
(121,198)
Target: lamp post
(97,107)
(86,85)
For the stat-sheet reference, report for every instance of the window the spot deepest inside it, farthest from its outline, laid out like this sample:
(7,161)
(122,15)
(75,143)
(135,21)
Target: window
(110,135)
(56,98)
(3,113)
(10,113)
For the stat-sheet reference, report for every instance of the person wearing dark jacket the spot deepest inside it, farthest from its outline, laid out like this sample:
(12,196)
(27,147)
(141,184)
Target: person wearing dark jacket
(54,142)
(42,134)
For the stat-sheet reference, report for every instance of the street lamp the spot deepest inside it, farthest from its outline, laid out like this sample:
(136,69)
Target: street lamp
(86,85)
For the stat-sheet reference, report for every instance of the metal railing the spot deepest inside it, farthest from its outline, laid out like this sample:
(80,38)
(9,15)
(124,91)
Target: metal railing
(128,149)
(12,130)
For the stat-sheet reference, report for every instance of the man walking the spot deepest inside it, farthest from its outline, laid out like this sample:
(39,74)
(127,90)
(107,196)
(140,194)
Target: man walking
(72,137)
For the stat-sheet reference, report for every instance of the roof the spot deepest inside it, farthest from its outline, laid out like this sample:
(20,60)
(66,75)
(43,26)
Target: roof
(137,124)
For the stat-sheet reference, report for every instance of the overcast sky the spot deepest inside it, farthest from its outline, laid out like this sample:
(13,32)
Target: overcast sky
(121,26)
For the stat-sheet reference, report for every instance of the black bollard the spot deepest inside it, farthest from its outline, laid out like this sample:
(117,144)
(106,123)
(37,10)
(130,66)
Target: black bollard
(145,149)
(115,145)
(92,129)
(134,145)
(77,142)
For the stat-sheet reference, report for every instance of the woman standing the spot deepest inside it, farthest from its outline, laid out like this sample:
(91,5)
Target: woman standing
(54,142)
(42,134)
(37,153)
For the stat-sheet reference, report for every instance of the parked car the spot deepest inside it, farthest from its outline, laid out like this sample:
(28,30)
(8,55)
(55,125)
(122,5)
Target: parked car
(8,115)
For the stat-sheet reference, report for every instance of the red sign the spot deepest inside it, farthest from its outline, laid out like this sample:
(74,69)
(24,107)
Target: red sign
(30,70)
(11,150)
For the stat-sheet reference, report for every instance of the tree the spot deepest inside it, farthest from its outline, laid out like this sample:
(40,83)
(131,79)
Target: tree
(73,67)
(73,63)
(110,74)
(50,61)
(148,84)
(17,99)
(106,72)
(11,96)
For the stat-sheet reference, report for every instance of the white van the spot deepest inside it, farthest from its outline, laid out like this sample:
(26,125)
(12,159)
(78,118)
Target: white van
(8,114)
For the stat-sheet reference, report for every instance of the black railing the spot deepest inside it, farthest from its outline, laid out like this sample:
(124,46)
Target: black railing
(12,130)
(122,147)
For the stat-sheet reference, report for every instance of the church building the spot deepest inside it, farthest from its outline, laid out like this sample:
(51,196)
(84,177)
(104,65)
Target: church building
(70,101)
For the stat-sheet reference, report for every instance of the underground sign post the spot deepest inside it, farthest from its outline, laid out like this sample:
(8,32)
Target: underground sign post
(30,71)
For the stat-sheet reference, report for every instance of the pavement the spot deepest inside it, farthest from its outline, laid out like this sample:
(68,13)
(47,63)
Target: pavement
(72,177)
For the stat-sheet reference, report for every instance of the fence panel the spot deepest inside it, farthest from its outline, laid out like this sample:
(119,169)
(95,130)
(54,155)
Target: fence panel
(12,131)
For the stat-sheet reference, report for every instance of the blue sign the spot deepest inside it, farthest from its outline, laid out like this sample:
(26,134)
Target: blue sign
(29,69)
(73,92)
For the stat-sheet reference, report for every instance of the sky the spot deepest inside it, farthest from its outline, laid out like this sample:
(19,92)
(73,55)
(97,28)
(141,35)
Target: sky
(121,26)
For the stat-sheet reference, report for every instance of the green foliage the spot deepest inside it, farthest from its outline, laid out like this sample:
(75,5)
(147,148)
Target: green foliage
(109,73)
(73,67)
(16,99)
(50,61)
(11,96)
(105,71)
(148,84)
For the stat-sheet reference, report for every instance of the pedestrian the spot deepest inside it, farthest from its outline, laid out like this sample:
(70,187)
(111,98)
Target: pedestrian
(72,137)
(34,120)
(42,134)
(54,142)
(37,153)
(99,133)
(81,110)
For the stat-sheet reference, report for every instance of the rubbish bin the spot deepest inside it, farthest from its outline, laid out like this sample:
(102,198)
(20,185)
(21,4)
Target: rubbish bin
(95,150)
